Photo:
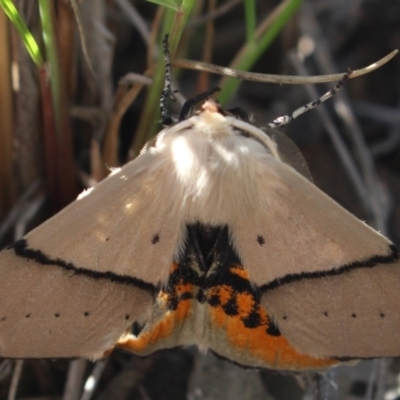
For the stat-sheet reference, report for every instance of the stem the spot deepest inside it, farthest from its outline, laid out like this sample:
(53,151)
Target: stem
(174,23)
(252,51)
(50,42)
(250,14)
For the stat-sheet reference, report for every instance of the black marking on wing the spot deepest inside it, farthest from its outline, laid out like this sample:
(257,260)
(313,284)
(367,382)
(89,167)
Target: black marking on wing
(155,239)
(22,250)
(371,262)
(137,328)
(252,320)
(273,329)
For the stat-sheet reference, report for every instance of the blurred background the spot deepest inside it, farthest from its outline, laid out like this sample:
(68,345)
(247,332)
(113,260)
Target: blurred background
(84,97)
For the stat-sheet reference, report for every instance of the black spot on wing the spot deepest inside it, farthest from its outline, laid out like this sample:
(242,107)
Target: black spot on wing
(260,240)
(155,239)
(252,320)
(214,300)
(231,307)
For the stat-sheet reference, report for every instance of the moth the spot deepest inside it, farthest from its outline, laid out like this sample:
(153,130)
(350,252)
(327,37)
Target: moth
(208,238)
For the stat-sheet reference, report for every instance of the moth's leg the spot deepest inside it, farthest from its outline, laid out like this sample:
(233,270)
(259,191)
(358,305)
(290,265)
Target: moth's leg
(286,119)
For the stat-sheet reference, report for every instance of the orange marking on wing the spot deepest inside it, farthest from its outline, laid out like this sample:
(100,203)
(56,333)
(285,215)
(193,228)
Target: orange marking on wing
(274,351)
(164,327)
(238,270)
(246,304)
(225,293)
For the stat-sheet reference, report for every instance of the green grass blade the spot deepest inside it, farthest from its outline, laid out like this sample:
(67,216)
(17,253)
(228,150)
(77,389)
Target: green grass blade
(171,4)
(174,24)
(252,51)
(251,20)
(23,31)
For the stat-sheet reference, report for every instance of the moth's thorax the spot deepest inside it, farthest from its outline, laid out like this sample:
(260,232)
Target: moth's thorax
(216,166)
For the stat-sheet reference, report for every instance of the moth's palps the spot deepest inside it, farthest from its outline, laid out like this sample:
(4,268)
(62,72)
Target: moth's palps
(208,238)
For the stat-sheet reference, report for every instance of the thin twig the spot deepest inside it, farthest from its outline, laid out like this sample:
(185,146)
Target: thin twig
(12,393)
(123,99)
(371,380)
(340,146)
(378,198)
(93,380)
(381,379)
(5,368)
(391,141)
(73,386)
(203,82)
(130,12)
(327,387)
(377,112)
(279,79)
(19,206)
(152,47)
(223,9)
(85,52)
(26,216)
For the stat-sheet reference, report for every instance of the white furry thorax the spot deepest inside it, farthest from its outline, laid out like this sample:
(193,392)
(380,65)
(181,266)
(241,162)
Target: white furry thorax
(214,166)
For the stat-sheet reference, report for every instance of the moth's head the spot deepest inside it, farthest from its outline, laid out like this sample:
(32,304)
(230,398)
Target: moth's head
(212,122)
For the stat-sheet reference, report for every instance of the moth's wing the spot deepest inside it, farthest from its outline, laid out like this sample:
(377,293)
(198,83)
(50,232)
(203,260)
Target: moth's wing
(47,311)
(74,285)
(352,315)
(330,282)
(291,154)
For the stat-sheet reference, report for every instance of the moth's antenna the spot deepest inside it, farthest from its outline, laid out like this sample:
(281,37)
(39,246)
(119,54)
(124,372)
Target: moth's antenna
(286,119)
(189,104)
(166,118)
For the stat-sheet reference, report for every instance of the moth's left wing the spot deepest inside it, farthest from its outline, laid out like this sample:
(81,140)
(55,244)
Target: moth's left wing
(330,282)
(75,284)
